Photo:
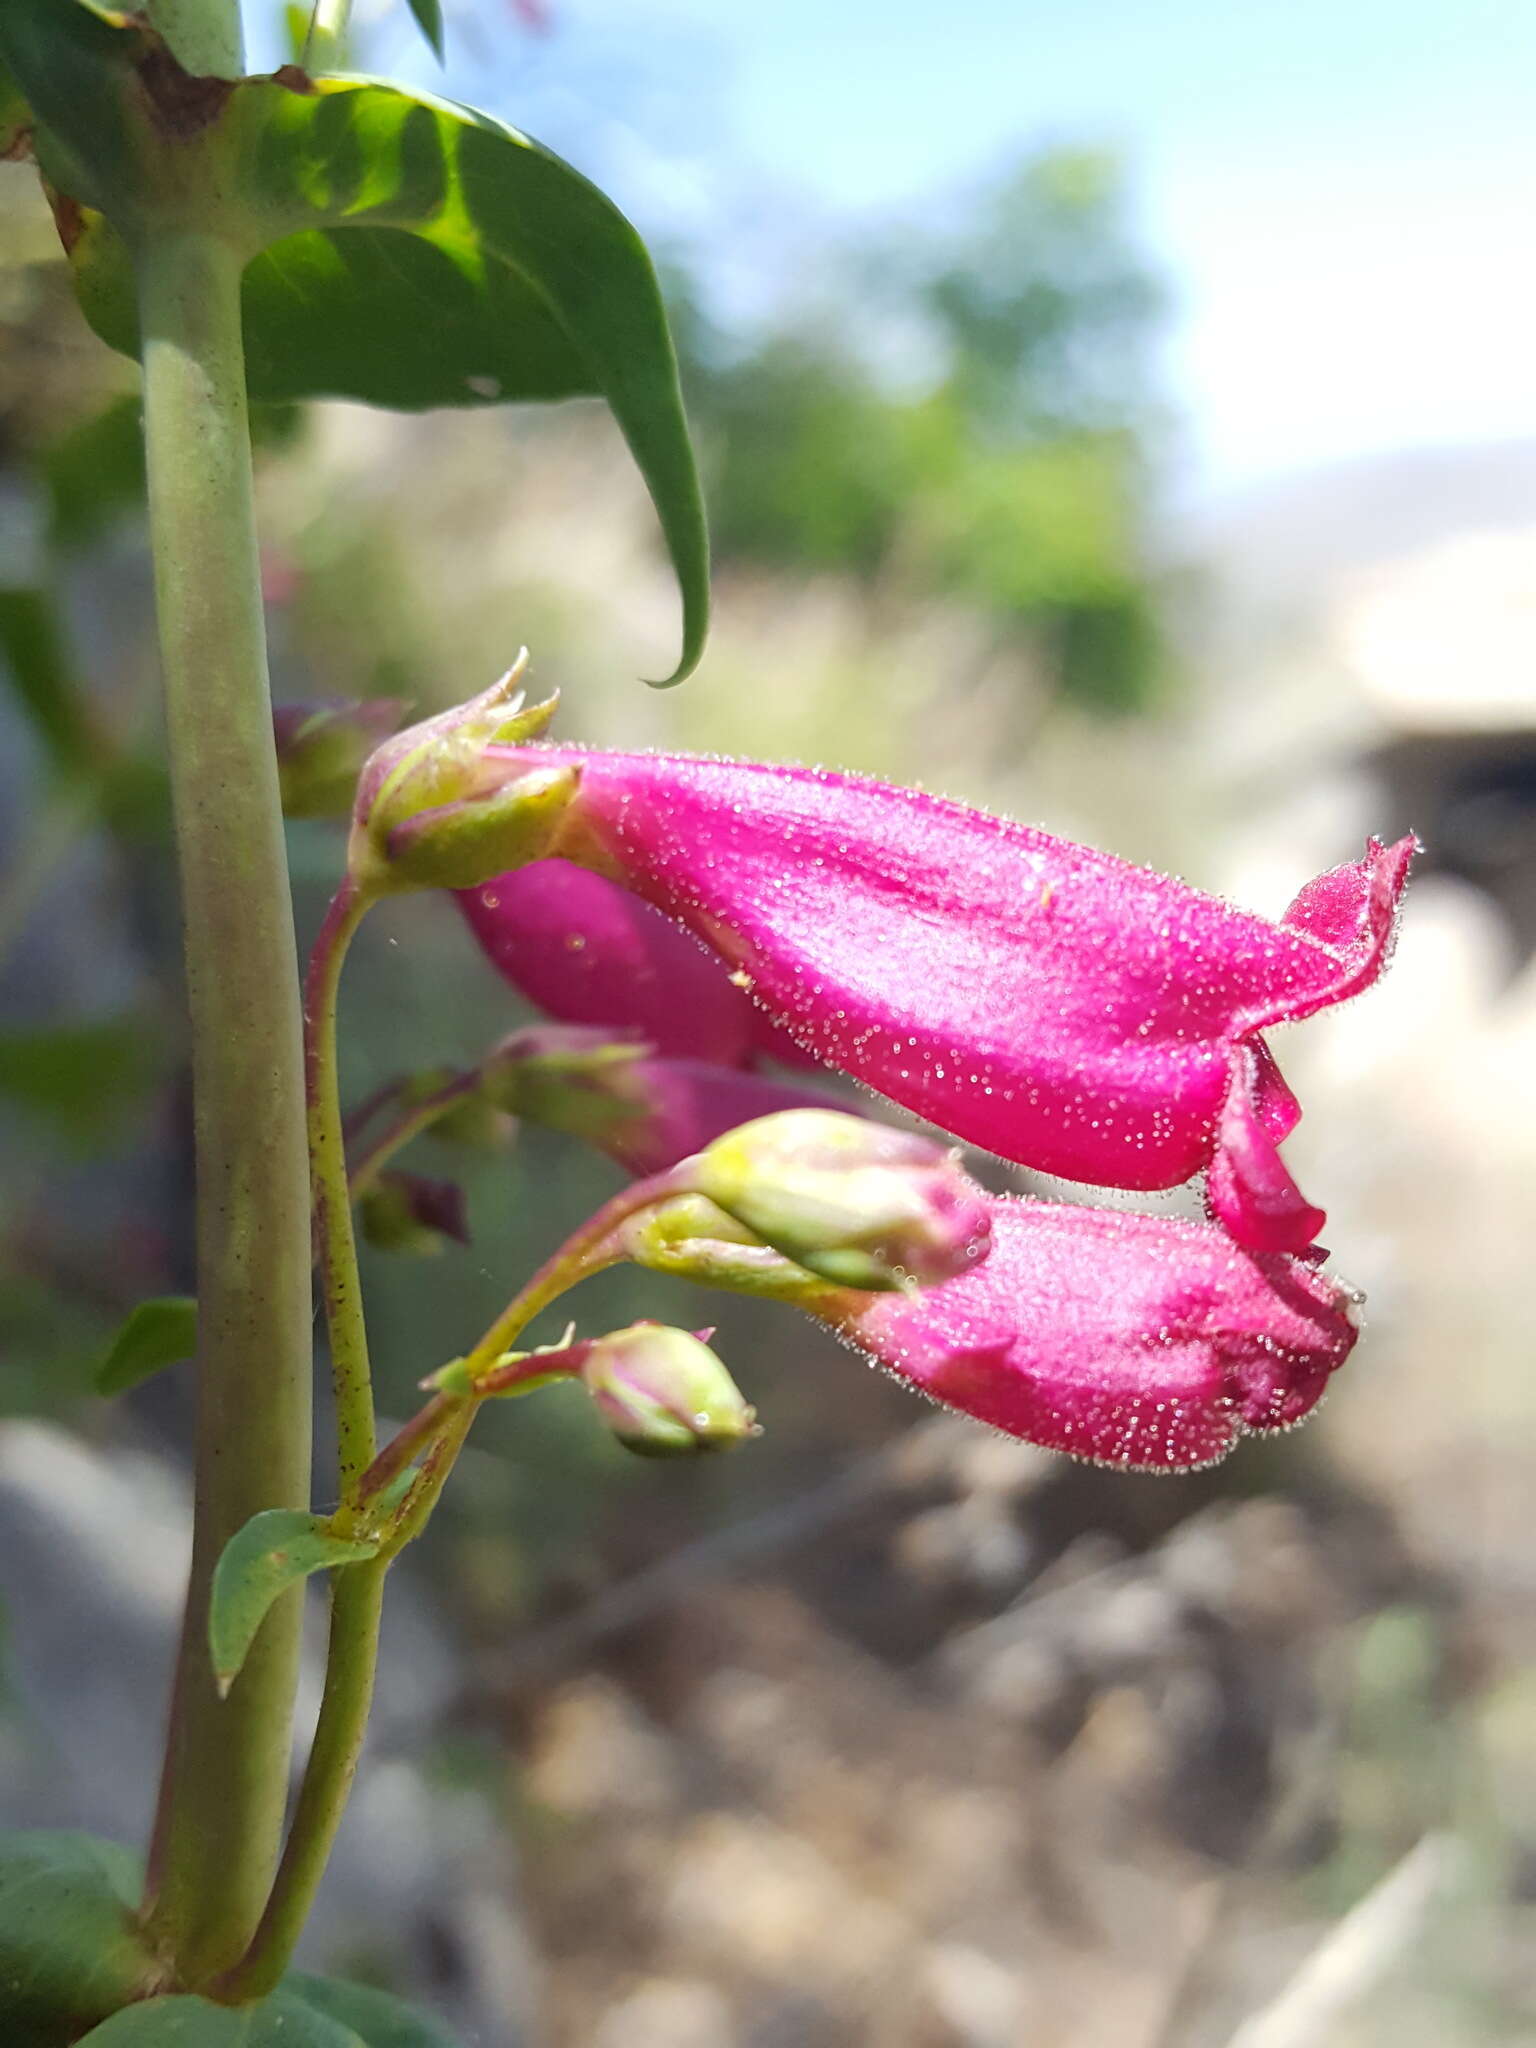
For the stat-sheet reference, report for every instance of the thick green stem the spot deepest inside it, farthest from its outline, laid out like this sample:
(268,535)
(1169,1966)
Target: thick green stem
(226,1770)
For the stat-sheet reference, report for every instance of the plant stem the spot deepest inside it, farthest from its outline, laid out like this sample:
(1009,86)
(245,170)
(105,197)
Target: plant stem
(335,1242)
(357,1593)
(357,1601)
(584,1253)
(410,1123)
(226,1768)
(325,43)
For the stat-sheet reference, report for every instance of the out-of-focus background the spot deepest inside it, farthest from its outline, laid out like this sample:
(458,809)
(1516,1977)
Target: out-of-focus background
(1122,417)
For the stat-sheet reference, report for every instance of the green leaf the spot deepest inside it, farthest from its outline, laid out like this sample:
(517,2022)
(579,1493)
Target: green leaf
(271,1553)
(281,2021)
(429,19)
(69,1953)
(416,254)
(15,114)
(156,1334)
(81,1078)
(381,2021)
(33,653)
(94,474)
(73,64)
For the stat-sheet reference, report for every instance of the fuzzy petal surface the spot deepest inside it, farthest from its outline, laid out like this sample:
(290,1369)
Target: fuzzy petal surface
(1137,1341)
(586,951)
(1051,1003)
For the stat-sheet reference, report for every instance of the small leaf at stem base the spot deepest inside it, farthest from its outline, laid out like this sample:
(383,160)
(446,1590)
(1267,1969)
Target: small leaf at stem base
(382,2021)
(69,1952)
(271,1553)
(281,2021)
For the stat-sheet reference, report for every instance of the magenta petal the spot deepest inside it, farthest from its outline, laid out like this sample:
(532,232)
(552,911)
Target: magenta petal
(1250,1188)
(588,952)
(1125,1339)
(1051,1003)
(1352,910)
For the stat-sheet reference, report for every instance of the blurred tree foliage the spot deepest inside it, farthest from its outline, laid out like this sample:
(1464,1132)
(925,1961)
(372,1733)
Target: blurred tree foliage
(1012,476)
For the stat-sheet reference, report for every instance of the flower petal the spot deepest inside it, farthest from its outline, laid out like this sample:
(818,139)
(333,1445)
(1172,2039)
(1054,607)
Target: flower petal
(588,952)
(1128,1340)
(1048,1002)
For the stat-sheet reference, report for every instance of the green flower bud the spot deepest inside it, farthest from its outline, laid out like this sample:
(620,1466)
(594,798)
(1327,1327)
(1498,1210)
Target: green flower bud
(439,807)
(406,1212)
(860,1204)
(664,1393)
(692,1239)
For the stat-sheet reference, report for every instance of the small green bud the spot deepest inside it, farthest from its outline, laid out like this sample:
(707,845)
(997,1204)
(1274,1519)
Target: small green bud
(438,808)
(664,1393)
(860,1204)
(406,1212)
(568,1077)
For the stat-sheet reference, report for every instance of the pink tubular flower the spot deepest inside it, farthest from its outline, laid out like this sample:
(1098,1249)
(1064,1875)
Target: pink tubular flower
(1129,1340)
(1055,1005)
(586,951)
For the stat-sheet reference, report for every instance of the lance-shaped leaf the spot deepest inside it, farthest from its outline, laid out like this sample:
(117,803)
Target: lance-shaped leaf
(155,1334)
(271,1553)
(406,251)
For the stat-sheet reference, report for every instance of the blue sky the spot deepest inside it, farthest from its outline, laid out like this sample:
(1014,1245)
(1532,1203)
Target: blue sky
(1340,192)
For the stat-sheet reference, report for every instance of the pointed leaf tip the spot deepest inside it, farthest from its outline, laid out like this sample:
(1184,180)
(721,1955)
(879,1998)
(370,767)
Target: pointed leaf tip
(429,19)
(275,1550)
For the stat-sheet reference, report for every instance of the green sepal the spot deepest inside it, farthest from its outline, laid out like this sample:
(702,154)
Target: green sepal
(155,1334)
(272,1552)
(69,1950)
(460,845)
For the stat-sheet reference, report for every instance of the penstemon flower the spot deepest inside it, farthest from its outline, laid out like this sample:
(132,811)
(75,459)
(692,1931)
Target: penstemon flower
(1058,1006)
